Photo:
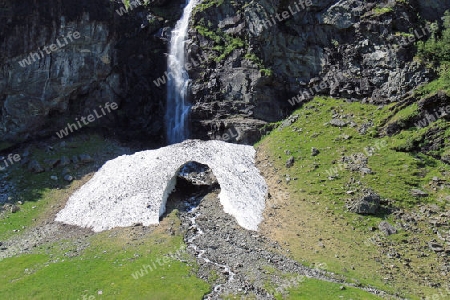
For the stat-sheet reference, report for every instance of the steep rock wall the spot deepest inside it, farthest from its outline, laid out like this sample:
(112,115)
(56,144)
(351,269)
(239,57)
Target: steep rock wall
(356,49)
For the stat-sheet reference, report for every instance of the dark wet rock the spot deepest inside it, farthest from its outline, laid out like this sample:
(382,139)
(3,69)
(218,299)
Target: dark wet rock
(65,171)
(75,159)
(197,174)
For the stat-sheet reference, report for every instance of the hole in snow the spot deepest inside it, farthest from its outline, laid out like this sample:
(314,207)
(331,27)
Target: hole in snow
(194,181)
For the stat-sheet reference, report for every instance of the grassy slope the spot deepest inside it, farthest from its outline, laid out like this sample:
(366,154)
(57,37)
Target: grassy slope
(317,226)
(107,265)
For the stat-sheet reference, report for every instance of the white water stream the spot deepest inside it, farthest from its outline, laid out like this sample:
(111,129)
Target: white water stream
(178,106)
(194,214)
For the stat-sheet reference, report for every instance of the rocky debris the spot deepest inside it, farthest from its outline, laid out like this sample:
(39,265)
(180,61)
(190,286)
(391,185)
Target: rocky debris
(240,257)
(314,151)
(198,174)
(35,167)
(338,123)
(387,228)
(365,127)
(418,193)
(290,162)
(368,204)
(75,239)
(356,162)
(289,121)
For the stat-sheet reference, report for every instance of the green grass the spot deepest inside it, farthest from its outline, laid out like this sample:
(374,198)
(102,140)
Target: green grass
(378,11)
(110,259)
(38,191)
(316,289)
(204,5)
(441,84)
(317,205)
(106,266)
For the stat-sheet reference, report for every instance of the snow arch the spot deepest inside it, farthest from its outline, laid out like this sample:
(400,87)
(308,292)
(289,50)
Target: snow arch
(134,188)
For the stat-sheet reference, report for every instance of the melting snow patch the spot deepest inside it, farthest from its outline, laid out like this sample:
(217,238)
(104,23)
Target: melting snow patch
(134,188)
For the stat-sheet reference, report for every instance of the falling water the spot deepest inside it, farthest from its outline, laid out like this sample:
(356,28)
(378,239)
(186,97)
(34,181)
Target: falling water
(178,107)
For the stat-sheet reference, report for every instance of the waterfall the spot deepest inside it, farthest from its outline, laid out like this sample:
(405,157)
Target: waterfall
(177,111)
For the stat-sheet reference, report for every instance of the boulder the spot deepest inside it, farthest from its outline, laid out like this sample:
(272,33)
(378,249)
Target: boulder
(387,228)
(368,204)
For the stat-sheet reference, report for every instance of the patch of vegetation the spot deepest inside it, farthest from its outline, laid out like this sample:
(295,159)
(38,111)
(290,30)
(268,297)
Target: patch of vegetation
(436,53)
(204,5)
(258,61)
(5,145)
(104,270)
(319,228)
(39,191)
(225,44)
(436,49)
(378,11)
(104,267)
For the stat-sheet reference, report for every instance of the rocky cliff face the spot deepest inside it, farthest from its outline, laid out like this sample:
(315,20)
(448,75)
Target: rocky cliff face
(360,50)
(115,59)
(247,62)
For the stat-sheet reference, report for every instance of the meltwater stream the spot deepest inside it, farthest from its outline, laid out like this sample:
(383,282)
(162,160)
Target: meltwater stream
(177,110)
